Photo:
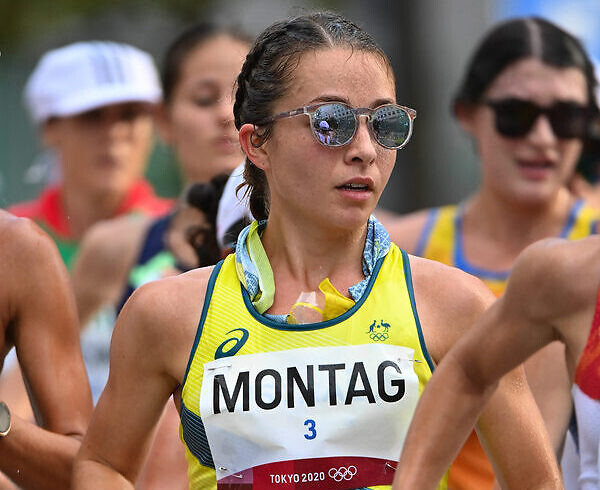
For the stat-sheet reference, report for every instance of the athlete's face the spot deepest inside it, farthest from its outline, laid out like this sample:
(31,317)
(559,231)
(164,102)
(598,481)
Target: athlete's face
(198,120)
(104,150)
(532,168)
(308,180)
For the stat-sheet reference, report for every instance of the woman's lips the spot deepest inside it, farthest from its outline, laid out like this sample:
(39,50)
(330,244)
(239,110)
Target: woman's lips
(535,169)
(357,189)
(227,144)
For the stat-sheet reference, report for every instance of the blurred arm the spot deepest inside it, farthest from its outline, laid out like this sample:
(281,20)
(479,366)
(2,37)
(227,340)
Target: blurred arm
(105,257)
(467,377)
(45,332)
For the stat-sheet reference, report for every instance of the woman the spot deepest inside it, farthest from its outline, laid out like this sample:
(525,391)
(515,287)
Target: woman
(552,293)
(525,100)
(196,120)
(264,398)
(93,104)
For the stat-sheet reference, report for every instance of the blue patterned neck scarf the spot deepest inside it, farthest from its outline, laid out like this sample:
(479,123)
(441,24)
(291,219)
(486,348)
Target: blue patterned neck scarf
(255,273)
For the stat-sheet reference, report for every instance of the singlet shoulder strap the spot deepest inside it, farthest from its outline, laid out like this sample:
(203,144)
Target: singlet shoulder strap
(207,297)
(413,304)
(437,238)
(154,239)
(432,217)
(581,222)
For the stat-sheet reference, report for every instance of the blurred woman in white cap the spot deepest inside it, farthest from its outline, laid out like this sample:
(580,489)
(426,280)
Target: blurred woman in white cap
(93,103)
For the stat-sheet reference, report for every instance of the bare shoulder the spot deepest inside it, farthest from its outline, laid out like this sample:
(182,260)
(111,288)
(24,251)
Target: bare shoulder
(406,230)
(556,276)
(448,302)
(169,300)
(161,317)
(24,246)
(34,283)
(16,232)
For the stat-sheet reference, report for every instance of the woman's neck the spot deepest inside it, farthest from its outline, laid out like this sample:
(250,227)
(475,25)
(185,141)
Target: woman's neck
(303,254)
(512,226)
(83,209)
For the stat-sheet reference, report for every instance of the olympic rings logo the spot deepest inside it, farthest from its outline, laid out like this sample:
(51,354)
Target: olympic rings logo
(342,473)
(378,337)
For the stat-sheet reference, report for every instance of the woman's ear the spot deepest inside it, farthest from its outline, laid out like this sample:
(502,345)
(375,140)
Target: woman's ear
(163,125)
(49,133)
(465,116)
(251,142)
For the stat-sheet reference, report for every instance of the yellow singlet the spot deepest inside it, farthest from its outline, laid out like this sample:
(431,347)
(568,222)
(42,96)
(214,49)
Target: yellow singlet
(321,405)
(442,240)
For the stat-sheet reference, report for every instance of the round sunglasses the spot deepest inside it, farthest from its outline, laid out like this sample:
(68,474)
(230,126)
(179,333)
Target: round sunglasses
(334,124)
(514,118)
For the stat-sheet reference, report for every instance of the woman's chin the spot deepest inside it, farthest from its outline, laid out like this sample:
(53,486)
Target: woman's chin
(349,220)
(535,195)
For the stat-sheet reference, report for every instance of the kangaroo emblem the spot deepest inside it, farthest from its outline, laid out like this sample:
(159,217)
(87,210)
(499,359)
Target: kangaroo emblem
(379,331)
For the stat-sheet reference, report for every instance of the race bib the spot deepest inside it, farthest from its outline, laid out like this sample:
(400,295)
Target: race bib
(322,417)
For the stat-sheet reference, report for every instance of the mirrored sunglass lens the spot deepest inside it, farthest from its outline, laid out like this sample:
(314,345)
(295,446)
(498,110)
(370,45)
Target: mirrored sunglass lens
(391,125)
(333,124)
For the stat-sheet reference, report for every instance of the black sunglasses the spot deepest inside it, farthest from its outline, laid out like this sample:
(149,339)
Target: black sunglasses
(516,117)
(334,124)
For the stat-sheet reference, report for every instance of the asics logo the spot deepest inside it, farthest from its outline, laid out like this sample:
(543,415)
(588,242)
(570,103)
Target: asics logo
(231,346)
(342,473)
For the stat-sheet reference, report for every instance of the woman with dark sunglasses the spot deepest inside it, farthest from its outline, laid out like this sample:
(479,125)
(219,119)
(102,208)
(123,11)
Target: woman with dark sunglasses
(526,100)
(552,294)
(298,360)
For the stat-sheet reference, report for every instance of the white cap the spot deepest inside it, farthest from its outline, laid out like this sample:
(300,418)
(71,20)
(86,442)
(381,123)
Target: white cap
(233,207)
(87,75)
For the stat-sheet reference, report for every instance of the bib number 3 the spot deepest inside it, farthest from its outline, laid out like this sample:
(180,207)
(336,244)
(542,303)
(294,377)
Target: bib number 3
(310,427)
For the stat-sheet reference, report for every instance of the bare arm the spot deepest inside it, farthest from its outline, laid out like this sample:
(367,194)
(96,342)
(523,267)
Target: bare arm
(149,350)
(513,434)
(43,327)
(105,257)
(550,383)
(539,303)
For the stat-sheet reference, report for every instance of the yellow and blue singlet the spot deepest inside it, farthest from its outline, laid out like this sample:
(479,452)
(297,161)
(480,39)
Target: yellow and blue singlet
(237,350)
(442,240)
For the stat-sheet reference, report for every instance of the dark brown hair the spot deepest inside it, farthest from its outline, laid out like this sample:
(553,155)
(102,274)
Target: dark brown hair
(516,39)
(185,43)
(268,72)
